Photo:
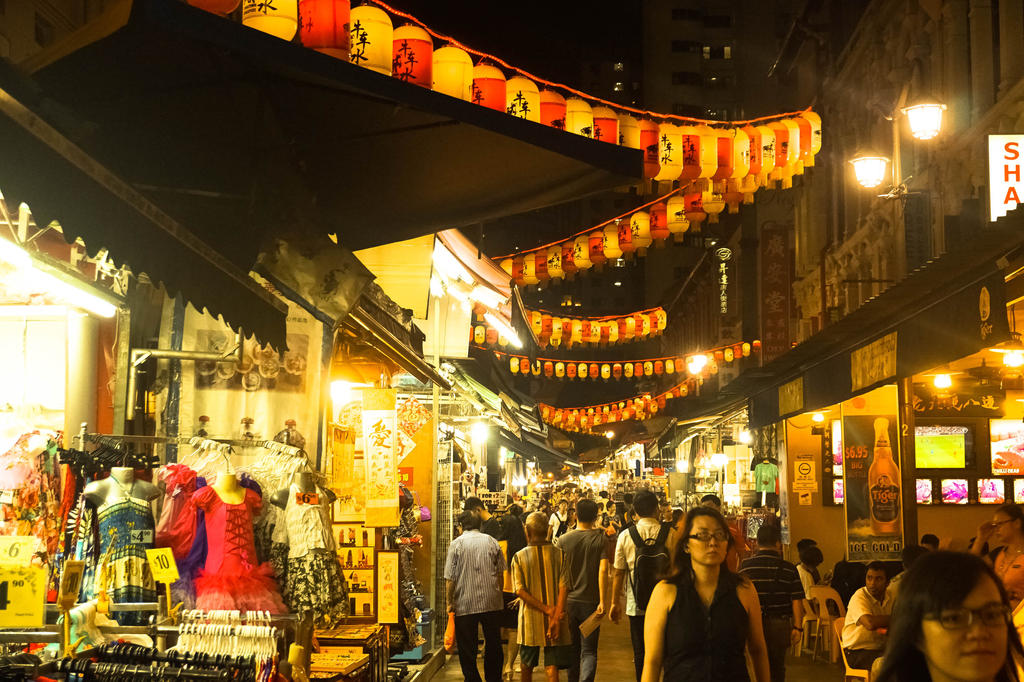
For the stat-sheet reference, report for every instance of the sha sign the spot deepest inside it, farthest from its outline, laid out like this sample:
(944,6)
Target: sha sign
(1005,175)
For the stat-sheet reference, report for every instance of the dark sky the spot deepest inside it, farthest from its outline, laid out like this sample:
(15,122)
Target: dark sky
(545,37)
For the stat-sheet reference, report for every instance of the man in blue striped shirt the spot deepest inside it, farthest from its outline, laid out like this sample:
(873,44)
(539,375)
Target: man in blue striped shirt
(474,575)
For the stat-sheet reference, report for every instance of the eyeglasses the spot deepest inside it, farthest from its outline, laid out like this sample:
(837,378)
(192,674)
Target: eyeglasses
(706,538)
(991,616)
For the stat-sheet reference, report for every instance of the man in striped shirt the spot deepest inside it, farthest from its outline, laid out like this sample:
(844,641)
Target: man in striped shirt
(474,575)
(781,594)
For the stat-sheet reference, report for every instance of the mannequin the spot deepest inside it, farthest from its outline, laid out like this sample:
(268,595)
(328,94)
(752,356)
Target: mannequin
(303,481)
(120,485)
(229,490)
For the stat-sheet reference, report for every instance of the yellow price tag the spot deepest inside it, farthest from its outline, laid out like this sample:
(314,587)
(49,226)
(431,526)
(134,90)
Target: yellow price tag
(17,550)
(22,596)
(162,564)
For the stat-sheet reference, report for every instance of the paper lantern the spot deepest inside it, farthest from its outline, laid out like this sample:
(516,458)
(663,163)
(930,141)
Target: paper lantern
(585,333)
(680,365)
(621,324)
(606,371)
(625,240)
(559,369)
(513,365)
(768,153)
(713,204)
(795,145)
(782,173)
(611,242)
(489,87)
(659,367)
(627,370)
(552,109)
(545,412)
(814,121)
(594,337)
(519,270)
(740,169)
(279,18)
(804,155)
(568,259)
(756,345)
(640,229)
(606,332)
(649,144)
(617,370)
(606,125)
(412,55)
(596,240)
(719,355)
(629,131)
(659,223)
(522,99)
(524,365)
(728,354)
(723,146)
(536,321)
(644,322)
(579,117)
(581,252)
(479,334)
(677,223)
(492,336)
(549,369)
(593,370)
(652,320)
(546,326)
(325,26)
(540,259)
(746,349)
(215,6)
(708,151)
(453,72)
(554,255)
(638,369)
(566,324)
(670,152)
(529,270)
(670,367)
(613,332)
(695,209)
(536,368)
(570,370)
(630,328)
(577,332)
(371,38)
(581,370)
(506,265)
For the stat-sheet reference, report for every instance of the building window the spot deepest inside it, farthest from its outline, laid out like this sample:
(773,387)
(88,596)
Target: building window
(685,46)
(727,52)
(44,31)
(686,78)
(686,15)
(619,87)
(618,66)
(717,21)
(717,52)
(716,82)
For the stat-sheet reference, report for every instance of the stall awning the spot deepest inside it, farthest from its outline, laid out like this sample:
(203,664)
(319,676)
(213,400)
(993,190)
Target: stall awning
(535,448)
(946,309)
(61,182)
(241,133)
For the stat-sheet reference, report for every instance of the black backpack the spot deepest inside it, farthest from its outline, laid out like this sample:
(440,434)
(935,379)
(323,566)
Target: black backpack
(651,564)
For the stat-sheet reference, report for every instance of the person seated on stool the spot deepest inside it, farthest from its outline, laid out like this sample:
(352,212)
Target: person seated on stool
(869,611)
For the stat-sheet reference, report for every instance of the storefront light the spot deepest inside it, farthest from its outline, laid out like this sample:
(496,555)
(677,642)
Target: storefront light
(39,278)
(925,119)
(719,459)
(682,466)
(817,417)
(870,169)
(504,329)
(745,437)
(1013,358)
(942,381)
(479,432)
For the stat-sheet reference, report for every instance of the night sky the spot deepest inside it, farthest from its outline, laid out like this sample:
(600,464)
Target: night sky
(548,38)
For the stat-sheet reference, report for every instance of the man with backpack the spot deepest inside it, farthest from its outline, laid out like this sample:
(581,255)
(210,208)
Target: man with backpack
(559,521)
(641,560)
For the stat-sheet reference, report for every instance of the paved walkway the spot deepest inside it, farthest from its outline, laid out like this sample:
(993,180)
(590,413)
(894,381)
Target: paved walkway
(615,662)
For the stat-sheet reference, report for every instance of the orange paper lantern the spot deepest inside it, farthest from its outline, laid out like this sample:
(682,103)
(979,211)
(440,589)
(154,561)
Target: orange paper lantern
(606,125)
(650,146)
(552,109)
(659,223)
(488,87)
(412,55)
(324,26)
(452,72)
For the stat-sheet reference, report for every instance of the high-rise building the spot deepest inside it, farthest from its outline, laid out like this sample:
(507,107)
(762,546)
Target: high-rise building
(28,26)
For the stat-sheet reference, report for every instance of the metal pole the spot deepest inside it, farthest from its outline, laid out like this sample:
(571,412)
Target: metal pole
(436,599)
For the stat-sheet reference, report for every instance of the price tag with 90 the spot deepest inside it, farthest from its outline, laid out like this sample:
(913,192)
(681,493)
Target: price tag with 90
(22,596)
(17,550)
(307,498)
(162,564)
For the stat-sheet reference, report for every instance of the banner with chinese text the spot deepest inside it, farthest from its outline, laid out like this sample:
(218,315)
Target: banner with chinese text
(380,456)
(775,291)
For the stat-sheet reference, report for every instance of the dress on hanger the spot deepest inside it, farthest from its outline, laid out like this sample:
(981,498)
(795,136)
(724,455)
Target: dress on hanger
(314,579)
(177,524)
(127,526)
(233,578)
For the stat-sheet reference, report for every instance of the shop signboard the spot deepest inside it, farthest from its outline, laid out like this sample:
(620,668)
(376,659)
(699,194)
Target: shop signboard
(775,290)
(1005,182)
(873,362)
(968,400)
(791,396)
(380,457)
(874,523)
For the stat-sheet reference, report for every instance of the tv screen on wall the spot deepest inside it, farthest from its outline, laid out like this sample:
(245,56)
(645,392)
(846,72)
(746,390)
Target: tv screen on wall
(941,447)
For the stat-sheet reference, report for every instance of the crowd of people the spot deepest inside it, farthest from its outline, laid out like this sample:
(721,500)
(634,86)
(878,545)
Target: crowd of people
(703,605)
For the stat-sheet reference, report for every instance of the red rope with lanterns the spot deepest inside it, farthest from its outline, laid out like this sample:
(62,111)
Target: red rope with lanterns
(579,93)
(601,318)
(639,407)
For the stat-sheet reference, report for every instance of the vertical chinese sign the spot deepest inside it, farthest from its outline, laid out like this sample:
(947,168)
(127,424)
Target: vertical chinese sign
(387,587)
(775,291)
(379,454)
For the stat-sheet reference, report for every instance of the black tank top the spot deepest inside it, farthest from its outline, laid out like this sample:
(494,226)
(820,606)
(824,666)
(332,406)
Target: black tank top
(706,645)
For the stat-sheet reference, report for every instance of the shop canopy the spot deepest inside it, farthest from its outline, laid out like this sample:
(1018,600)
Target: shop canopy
(239,133)
(60,182)
(948,308)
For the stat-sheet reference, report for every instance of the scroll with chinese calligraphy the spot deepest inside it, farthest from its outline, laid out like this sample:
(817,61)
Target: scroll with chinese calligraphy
(775,291)
(379,454)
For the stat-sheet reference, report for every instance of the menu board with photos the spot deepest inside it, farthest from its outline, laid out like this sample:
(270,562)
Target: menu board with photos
(991,491)
(1006,439)
(924,490)
(954,491)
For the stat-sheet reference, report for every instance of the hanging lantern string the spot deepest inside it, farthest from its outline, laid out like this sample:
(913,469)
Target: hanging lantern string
(630,212)
(603,318)
(580,93)
(638,396)
(606,362)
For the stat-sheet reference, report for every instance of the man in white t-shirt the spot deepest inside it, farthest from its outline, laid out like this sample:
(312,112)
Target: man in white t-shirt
(645,504)
(869,612)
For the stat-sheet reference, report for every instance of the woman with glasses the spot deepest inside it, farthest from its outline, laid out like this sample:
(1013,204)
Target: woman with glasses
(951,622)
(1005,532)
(700,619)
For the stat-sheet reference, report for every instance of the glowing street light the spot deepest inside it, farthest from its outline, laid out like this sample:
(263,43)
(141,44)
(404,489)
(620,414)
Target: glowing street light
(869,168)
(924,118)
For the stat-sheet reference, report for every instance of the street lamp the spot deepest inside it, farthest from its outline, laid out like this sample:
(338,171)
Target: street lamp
(924,118)
(870,168)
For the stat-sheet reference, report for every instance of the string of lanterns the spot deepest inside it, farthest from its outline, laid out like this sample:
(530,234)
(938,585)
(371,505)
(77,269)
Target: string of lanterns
(639,407)
(571,330)
(704,364)
(727,161)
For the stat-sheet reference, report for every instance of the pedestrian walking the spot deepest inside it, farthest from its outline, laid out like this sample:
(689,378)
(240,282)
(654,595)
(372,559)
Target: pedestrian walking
(489,523)
(700,620)
(589,554)
(558,522)
(474,575)
(781,595)
(515,537)
(540,576)
(641,558)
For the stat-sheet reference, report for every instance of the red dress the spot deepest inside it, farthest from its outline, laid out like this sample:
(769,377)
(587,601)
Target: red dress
(177,526)
(233,578)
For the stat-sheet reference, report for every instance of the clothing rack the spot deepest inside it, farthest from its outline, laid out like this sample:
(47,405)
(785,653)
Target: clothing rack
(156,671)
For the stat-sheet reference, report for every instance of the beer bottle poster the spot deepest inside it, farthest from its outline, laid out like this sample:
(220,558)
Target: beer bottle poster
(874,521)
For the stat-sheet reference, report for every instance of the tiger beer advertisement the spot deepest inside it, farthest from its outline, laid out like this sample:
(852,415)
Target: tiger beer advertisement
(874,522)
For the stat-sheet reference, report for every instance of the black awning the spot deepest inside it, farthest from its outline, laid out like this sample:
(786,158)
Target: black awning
(934,312)
(241,133)
(60,182)
(534,447)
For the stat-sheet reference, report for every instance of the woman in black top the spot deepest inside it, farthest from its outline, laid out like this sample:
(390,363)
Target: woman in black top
(699,620)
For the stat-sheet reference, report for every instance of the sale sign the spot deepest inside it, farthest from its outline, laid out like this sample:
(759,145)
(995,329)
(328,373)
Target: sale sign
(1005,183)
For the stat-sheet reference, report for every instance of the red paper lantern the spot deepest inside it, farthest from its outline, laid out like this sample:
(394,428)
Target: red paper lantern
(638,322)
(622,329)
(595,370)
(524,365)
(492,336)
(412,55)
(625,235)
(546,326)
(659,223)
(552,109)
(596,242)
(518,271)
(649,144)
(324,26)
(586,331)
(549,369)
(568,262)
(695,210)
(756,345)
(216,6)
(567,330)
(540,258)
(570,370)
(617,370)
(661,402)
(680,365)
(605,333)
(606,125)
(659,367)
(638,369)
(488,87)
(653,319)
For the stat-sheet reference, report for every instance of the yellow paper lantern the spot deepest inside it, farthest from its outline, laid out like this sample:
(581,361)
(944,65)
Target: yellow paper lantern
(708,151)
(279,19)
(595,334)
(560,370)
(613,332)
(640,228)
(453,72)
(611,242)
(577,332)
(670,152)
(714,203)
(536,322)
(371,37)
(579,117)
(506,265)
(629,131)
(662,317)
(815,122)
(630,328)
(581,252)
(606,371)
(645,321)
(678,224)
(529,270)
(768,154)
(513,365)
(581,370)
(479,334)
(606,125)
(522,98)
(554,254)
(670,367)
